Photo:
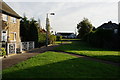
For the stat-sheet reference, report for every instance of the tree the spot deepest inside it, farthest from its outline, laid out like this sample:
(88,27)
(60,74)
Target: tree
(33,32)
(84,27)
(48,26)
(48,30)
(29,30)
(24,28)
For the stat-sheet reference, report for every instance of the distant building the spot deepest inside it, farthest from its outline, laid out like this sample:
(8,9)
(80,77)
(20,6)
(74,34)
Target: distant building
(110,26)
(66,35)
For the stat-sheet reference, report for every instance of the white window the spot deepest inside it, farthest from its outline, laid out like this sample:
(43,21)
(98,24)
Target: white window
(4,36)
(13,20)
(4,17)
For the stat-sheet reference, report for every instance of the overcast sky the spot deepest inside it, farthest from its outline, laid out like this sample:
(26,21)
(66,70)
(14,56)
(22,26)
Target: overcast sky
(68,13)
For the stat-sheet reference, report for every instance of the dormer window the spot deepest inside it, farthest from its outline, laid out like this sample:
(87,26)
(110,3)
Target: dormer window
(4,17)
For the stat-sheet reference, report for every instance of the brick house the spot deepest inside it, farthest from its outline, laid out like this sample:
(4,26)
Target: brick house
(10,21)
(110,26)
(9,24)
(10,31)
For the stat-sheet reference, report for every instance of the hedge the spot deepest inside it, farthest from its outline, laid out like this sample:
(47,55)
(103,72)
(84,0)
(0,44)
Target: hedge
(58,38)
(42,39)
(103,38)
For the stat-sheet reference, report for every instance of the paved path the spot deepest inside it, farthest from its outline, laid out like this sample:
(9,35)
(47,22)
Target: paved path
(14,59)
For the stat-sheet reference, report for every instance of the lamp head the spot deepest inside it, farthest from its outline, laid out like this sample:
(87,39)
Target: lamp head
(52,13)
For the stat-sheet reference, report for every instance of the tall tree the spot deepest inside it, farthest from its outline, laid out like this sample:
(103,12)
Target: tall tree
(33,32)
(24,29)
(39,23)
(48,25)
(84,27)
(29,30)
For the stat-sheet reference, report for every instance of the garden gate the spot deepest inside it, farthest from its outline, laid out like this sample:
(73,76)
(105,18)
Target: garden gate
(11,48)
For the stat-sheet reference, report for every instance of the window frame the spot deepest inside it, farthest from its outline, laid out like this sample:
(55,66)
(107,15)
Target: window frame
(13,20)
(14,36)
(4,17)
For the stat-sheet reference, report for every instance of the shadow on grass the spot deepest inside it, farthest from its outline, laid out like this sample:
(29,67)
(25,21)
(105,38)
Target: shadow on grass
(73,68)
(115,59)
(82,48)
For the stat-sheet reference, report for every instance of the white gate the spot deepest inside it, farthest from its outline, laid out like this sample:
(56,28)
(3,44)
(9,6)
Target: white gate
(27,45)
(11,48)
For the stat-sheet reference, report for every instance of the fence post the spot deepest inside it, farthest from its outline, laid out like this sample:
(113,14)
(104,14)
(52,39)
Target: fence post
(21,47)
(7,48)
(27,45)
(15,48)
(33,44)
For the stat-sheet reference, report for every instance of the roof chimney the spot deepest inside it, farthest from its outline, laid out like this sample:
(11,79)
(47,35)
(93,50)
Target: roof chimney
(110,22)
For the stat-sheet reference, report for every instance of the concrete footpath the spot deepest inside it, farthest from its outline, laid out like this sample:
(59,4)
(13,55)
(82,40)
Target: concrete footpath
(16,58)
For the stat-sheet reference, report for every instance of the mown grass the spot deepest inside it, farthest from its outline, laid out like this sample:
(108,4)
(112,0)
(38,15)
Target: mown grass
(63,42)
(66,41)
(59,65)
(82,48)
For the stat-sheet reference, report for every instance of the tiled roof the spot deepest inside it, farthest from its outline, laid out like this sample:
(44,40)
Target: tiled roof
(9,11)
(109,25)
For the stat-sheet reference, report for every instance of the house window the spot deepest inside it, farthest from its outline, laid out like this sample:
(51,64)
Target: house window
(13,20)
(4,17)
(12,36)
(115,31)
(4,36)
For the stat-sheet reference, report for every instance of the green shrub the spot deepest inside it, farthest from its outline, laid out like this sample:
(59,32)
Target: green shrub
(41,39)
(52,39)
(2,51)
(58,38)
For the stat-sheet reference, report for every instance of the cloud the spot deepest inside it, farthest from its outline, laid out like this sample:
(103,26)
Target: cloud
(69,14)
(61,0)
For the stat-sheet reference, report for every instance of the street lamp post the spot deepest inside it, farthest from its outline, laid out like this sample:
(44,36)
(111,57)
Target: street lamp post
(47,24)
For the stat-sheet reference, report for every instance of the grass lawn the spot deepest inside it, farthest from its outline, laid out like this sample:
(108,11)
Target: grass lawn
(59,65)
(82,48)
(67,41)
(59,42)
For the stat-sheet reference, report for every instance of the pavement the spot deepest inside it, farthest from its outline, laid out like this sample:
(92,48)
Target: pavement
(16,58)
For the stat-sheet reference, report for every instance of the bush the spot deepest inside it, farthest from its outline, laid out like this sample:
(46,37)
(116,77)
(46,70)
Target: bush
(58,38)
(41,39)
(52,39)
(2,51)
